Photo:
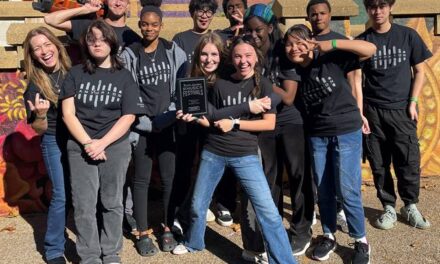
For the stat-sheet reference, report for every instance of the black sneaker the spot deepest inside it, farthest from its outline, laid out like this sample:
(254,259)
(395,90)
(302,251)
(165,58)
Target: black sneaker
(59,260)
(299,245)
(323,250)
(224,217)
(361,253)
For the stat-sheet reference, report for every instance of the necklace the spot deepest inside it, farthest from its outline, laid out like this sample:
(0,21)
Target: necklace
(152,59)
(245,83)
(56,85)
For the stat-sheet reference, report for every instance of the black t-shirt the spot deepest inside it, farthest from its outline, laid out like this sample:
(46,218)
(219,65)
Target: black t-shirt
(278,68)
(188,41)
(329,36)
(154,76)
(226,34)
(388,75)
(101,98)
(54,121)
(126,36)
(330,107)
(227,92)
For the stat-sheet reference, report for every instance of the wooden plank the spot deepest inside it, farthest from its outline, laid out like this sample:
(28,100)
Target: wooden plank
(16,32)
(437,25)
(18,9)
(9,59)
(297,8)
(416,7)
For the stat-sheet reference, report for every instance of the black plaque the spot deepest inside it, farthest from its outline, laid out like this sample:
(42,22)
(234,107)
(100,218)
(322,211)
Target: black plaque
(192,97)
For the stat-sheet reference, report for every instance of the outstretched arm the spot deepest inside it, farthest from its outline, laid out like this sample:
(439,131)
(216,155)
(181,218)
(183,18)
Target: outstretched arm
(62,19)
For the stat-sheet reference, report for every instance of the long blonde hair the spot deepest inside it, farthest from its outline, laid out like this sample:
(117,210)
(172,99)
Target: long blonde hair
(35,72)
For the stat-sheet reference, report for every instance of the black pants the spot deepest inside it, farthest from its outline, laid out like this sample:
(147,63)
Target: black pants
(162,146)
(393,139)
(284,146)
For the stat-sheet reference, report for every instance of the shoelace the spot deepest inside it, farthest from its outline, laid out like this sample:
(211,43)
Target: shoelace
(388,214)
(415,214)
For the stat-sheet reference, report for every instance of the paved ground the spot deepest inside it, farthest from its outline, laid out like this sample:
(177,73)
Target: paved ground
(403,244)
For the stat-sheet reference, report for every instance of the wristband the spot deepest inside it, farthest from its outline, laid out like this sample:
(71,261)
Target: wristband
(41,117)
(334,46)
(414,99)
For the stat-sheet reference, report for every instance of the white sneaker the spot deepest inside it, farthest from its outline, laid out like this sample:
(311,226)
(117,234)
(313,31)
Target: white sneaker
(254,257)
(210,216)
(224,217)
(180,250)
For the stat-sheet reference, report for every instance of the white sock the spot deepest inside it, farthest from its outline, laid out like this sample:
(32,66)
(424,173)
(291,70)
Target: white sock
(329,235)
(342,215)
(362,240)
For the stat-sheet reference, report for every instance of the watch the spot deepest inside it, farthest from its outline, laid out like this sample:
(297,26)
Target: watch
(236,124)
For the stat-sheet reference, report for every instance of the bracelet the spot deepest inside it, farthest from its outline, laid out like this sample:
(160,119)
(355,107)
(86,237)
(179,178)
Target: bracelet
(414,99)
(86,145)
(334,46)
(41,117)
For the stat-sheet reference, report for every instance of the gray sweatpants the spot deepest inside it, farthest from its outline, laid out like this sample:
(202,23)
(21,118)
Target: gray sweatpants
(90,180)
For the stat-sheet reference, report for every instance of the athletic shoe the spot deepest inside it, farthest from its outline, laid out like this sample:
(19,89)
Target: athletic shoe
(299,246)
(210,216)
(361,253)
(177,227)
(341,221)
(387,219)
(180,250)
(224,217)
(323,250)
(58,260)
(414,217)
(254,257)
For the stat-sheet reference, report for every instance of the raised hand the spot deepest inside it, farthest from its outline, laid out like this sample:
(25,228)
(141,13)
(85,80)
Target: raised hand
(40,106)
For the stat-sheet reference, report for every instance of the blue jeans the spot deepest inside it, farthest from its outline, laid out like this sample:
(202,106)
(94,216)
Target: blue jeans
(336,163)
(56,217)
(249,172)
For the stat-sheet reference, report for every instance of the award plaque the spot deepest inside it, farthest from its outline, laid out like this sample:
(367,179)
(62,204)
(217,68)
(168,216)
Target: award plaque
(192,97)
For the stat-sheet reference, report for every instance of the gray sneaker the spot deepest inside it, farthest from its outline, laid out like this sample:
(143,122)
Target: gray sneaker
(387,219)
(414,217)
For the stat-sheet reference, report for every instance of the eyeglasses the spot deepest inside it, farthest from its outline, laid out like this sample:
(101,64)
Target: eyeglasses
(93,41)
(207,12)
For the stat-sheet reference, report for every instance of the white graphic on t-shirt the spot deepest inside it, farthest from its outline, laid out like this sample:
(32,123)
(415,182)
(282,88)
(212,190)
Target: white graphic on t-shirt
(388,57)
(190,57)
(318,89)
(100,94)
(154,73)
(236,100)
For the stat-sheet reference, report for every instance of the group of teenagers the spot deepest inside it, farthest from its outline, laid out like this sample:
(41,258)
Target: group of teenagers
(302,101)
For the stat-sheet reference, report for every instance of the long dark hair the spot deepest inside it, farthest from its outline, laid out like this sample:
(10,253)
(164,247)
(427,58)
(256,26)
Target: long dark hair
(197,69)
(258,67)
(110,38)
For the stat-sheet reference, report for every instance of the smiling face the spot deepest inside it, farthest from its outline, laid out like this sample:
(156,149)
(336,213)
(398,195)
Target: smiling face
(202,19)
(209,58)
(296,50)
(244,59)
(117,8)
(45,52)
(97,44)
(259,31)
(150,25)
(319,17)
